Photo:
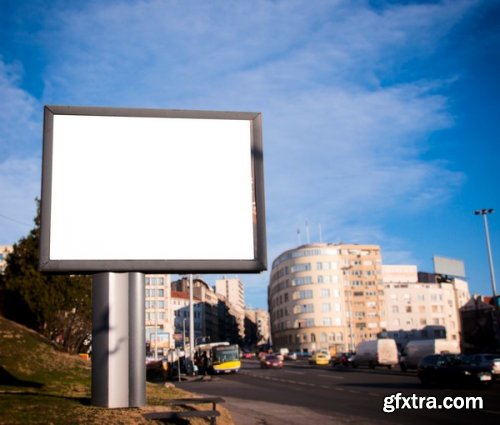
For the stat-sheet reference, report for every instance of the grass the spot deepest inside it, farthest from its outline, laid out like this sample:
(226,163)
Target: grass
(41,385)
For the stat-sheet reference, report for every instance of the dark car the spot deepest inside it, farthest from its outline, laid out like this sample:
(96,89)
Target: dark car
(271,361)
(451,370)
(491,361)
(344,359)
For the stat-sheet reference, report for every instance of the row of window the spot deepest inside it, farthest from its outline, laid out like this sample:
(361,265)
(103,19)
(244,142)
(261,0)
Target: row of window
(155,304)
(422,322)
(152,293)
(421,309)
(307,323)
(322,251)
(419,297)
(305,337)
(154,280)
(323,294)
(306,308)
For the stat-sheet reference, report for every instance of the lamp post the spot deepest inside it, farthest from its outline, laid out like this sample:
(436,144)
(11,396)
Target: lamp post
(484,213)
(347,289)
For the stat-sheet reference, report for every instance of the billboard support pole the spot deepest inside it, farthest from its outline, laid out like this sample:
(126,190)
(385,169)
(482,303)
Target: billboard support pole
(118,340)
(137,340)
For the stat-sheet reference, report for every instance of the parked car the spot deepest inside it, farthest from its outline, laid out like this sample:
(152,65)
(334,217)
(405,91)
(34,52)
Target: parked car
(320,358)
(344,359)
(451,370)
(491,361)
(271,361)
(247,355)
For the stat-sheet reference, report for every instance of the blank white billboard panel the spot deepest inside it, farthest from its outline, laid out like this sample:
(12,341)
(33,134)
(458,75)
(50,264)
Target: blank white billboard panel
(449,267)
(151,190)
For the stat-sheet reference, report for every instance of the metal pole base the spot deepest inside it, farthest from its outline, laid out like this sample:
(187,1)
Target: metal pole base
(118,340)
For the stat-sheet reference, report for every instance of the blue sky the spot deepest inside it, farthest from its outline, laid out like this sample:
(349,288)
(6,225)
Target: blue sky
(380,118)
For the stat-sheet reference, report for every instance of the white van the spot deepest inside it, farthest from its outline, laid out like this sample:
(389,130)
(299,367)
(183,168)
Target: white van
(415,351)
(376,352)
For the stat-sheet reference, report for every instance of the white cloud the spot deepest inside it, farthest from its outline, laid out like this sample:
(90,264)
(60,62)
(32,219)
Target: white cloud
(20,147)
(18,113)
(345,127)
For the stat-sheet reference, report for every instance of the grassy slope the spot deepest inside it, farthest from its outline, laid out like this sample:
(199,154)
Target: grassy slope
(40,385)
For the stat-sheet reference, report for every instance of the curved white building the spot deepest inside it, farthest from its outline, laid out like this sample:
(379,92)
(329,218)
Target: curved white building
(326,296)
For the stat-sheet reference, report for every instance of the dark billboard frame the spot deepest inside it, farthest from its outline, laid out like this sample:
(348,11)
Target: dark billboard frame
(49,262)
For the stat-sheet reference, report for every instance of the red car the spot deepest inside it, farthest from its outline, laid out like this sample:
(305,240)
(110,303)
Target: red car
(271,361)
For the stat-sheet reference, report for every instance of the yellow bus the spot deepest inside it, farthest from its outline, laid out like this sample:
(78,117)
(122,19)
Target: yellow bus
(218,357)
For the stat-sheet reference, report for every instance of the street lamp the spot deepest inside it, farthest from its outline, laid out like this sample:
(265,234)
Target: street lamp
(347,289)
(484,213)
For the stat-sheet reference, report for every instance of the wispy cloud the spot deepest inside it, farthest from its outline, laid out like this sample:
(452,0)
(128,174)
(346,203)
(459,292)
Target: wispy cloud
(346,118)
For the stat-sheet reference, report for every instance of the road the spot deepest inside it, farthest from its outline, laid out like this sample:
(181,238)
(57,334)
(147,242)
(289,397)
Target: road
(300,393)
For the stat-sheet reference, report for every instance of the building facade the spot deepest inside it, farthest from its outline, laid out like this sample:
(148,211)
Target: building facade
(326,296)
(422,310)
(257,327)
(158,312)
(232,290)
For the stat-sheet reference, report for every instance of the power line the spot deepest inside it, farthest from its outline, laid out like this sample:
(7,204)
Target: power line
(15,220)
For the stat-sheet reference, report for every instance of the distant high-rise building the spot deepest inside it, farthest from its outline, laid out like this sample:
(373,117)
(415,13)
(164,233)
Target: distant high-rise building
(158,311)
(232,290)
(257,327)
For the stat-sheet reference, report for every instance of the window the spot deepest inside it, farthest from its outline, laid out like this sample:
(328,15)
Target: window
(305,294)
(300,295)
(326,307)
(301,281)
(324,293)
(300,267)
(326,321)
(307,308)
(395,309)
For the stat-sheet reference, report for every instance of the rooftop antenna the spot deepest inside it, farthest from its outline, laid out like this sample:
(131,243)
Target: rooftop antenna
(307,233)
(299,239)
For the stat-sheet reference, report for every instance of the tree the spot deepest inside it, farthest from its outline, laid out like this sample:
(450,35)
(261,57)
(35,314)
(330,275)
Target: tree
(58,306)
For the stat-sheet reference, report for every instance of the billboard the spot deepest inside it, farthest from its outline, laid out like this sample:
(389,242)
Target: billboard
(152,190)
(449,267)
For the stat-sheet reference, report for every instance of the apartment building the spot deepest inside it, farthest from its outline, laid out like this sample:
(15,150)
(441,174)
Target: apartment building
(420,310)
(215,317)
(326,296)
(257,327)
(233,291)
(158,312)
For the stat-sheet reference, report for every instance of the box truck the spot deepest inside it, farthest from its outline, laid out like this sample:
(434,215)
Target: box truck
(416,350)
(376,352)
